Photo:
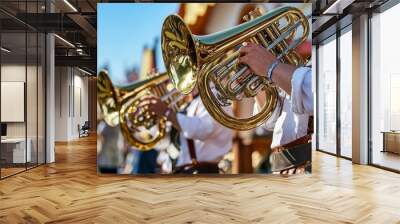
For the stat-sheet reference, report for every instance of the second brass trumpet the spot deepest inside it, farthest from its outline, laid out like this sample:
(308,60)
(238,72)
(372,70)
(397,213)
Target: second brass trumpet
(119,105)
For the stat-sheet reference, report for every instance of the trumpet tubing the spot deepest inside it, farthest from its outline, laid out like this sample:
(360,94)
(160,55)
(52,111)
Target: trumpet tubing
(212,61)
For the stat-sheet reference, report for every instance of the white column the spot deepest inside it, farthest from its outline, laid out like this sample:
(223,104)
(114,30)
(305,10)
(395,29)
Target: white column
(360,90)
(50,93)
(314,89)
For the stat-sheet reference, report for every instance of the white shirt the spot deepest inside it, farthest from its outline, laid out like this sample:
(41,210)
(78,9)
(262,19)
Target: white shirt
(211,139)
(292,123)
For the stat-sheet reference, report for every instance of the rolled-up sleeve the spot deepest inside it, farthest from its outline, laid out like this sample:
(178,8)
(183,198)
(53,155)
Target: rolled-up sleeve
(200,127)
(269,124)
(302,95)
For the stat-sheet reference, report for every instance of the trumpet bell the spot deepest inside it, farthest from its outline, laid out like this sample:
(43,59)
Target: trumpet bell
(179,53)
(107,99)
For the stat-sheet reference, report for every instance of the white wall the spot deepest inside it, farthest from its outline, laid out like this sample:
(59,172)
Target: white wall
(80,94)
(71,94)
(16,73)
(33,127)
(61,103)
(12,73)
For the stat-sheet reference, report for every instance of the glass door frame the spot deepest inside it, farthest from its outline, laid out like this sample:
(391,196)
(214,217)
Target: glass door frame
(318,57)
(337,35)
(30,29)
(380,9)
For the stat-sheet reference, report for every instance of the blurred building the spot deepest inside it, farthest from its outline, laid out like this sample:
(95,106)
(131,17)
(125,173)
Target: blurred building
(132,74)
(148,62)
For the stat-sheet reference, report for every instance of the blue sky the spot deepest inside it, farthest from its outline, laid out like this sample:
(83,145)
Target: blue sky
(124,29)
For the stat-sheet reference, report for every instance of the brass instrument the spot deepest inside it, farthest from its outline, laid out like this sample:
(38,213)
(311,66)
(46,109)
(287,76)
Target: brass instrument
(119,105)
(211,61)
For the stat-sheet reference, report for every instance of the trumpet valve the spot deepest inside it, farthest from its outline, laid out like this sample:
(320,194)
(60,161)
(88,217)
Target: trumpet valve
(222,101)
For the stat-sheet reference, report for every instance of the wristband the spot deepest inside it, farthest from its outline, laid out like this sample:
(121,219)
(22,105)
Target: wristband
(271,69)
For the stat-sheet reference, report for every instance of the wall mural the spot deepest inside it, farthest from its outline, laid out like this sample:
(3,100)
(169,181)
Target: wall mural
(194,88)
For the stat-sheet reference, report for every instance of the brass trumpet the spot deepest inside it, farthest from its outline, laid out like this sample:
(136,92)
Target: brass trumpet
(211,61)
(119,105)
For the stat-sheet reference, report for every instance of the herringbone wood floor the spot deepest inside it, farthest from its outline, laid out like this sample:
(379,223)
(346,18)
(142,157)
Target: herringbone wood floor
(70,191)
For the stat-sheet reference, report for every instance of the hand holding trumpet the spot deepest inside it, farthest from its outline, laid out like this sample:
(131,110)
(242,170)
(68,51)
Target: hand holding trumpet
(259,60)
(160,109)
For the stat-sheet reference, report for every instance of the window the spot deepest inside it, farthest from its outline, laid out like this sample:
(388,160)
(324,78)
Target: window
(385,89)
(327,96)
(346,93)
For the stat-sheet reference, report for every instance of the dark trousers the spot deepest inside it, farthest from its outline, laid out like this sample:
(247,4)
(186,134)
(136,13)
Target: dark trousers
(200,167)
(299,155)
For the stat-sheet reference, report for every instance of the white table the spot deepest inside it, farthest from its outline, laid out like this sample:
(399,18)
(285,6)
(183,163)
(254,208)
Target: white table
(18,144)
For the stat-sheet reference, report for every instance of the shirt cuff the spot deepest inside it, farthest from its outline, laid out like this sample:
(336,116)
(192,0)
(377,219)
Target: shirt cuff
(301,95)
(269,124)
